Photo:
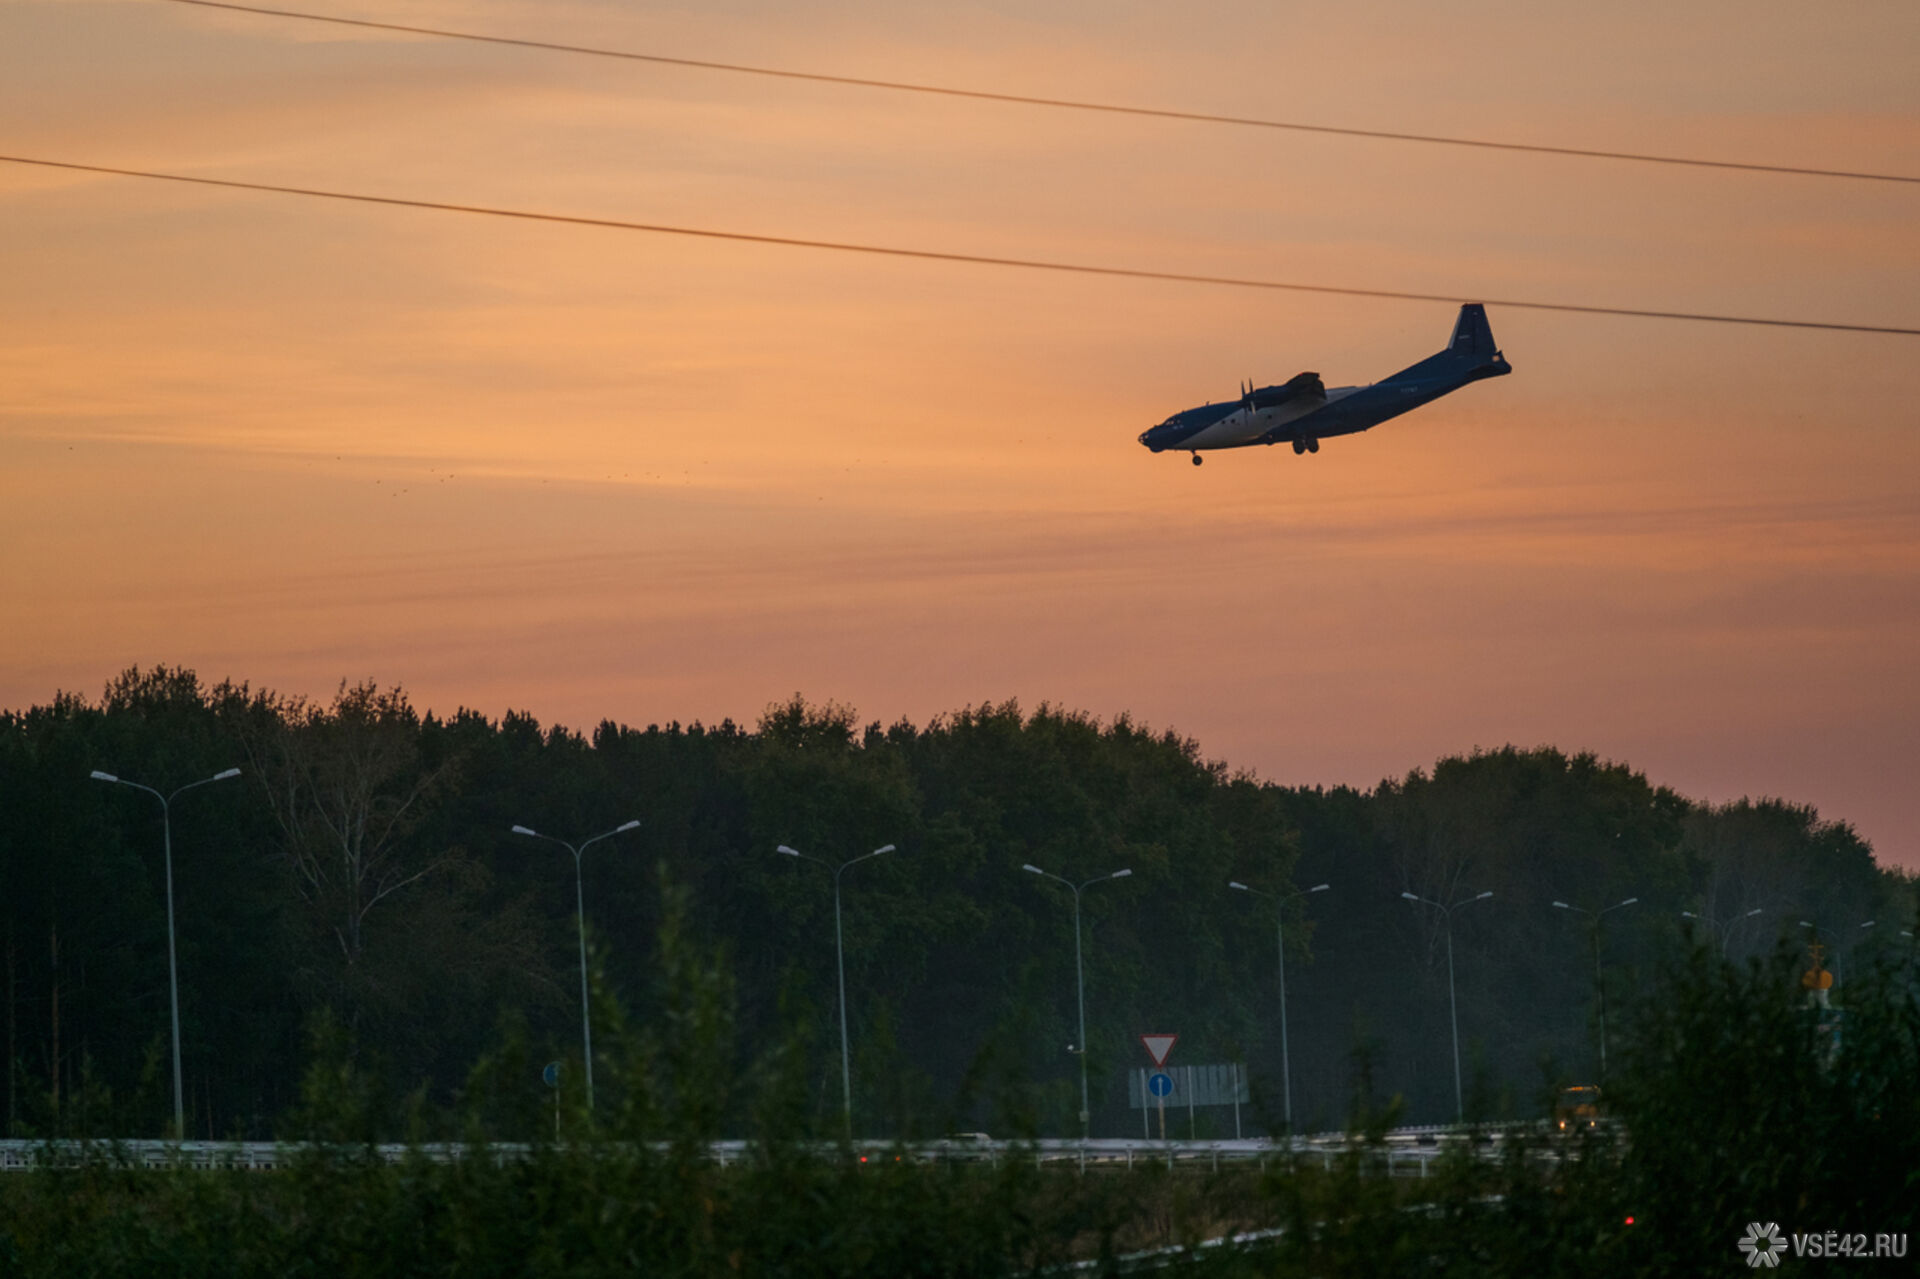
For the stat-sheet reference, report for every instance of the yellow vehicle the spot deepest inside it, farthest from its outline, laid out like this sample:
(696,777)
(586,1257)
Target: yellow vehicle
(1578,1107)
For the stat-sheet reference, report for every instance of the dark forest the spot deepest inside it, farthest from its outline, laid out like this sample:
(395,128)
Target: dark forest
(357,890)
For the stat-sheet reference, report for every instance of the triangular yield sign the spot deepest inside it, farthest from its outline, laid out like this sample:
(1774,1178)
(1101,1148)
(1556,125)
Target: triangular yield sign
(1158,1046)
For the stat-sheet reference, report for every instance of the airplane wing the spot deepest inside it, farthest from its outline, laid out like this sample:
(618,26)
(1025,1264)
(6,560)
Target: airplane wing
(1303,388)
(1303,391)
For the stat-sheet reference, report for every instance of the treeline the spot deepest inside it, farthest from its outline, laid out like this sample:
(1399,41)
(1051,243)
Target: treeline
(362,868)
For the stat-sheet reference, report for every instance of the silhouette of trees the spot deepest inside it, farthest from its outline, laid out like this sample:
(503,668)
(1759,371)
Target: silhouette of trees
(364,866)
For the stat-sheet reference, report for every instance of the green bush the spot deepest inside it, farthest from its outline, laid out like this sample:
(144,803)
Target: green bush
(1735,1102)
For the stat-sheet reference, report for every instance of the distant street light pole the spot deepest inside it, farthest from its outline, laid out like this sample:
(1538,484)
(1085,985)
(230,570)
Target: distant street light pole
(580,908)
(1723,932)
(1836,949)
(840,961)
(1080,981)
(1453,1007)
(173,968)
(1280,936)
(1599,982)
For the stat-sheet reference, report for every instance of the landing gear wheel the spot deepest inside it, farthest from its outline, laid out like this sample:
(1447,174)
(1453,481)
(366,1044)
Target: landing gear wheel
(1299,446)
(1313,445)
(1196,459)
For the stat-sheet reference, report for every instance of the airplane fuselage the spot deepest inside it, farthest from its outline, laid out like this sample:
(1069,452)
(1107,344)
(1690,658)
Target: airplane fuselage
(1302,413)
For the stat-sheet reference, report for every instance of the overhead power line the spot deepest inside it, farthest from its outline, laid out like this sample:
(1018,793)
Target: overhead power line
(1111,108)
(934,255)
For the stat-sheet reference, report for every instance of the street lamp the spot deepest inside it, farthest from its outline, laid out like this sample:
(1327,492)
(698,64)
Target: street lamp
(1724,932)
(840,961)
(1453,1007)
(1836,950)
(580,906)
(1080,981)
(1279,932)
(1599,981)
(173,968)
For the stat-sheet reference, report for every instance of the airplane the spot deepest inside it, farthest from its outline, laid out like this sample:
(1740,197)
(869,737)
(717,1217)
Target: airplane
(1303,411)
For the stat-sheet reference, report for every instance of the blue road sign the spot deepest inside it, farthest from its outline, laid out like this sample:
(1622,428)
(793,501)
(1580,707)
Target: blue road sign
(551,1075)
(1160,1083)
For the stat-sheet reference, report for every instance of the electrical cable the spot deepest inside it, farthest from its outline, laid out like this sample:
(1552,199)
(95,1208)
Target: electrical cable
(1111,108)
(972,259)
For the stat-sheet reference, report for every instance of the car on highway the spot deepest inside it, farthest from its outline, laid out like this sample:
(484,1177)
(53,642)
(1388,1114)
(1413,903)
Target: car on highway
(1578,1107)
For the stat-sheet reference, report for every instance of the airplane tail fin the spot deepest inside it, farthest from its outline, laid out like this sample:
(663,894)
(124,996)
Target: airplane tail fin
(1473,345)
(1470,355)
(1472,335)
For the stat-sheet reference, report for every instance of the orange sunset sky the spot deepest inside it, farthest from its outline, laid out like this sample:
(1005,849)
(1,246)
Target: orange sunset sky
(599,474)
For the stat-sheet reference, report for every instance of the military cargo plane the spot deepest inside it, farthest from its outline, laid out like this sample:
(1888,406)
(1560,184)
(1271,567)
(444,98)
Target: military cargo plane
(1302,411)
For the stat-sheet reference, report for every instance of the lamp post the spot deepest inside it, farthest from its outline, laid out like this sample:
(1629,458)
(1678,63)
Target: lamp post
(173,967)
(1836,949)
(1599,982)
(1280,937)
(840,962)
(1453,1007)
(1723,931)
(580,908)
(1080,980)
